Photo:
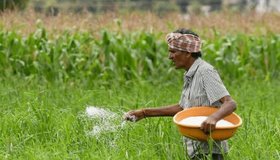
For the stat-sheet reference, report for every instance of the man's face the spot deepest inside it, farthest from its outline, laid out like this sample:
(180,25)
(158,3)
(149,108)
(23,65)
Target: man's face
(179,58)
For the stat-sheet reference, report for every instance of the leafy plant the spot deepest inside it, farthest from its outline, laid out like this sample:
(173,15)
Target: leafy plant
(119,56)
(13,4)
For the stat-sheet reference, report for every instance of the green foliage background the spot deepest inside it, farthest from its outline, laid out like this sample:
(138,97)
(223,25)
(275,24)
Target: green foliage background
(48,79)
(13,4)
(120,56)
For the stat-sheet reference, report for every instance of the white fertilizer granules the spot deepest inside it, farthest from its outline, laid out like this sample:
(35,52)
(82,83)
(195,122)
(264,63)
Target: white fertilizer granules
(197,121)
(95,112)
(104,123)
(103,120)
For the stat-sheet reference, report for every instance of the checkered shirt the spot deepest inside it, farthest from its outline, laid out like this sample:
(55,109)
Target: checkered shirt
(202,87)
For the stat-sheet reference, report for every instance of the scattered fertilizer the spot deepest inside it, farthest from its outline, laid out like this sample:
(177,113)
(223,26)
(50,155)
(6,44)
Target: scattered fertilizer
(95,112)
(104,121)
(197,121)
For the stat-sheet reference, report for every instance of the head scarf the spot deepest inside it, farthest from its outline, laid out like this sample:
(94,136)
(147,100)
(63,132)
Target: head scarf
(184,42)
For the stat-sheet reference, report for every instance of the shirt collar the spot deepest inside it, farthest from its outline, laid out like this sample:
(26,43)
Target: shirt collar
(190,73)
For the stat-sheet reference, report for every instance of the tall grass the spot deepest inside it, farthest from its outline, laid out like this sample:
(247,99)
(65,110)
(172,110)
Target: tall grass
(257,105)
(121,70)
(48,122)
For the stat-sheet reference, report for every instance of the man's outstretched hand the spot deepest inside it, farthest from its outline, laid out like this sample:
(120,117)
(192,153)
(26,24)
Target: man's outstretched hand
(134,115)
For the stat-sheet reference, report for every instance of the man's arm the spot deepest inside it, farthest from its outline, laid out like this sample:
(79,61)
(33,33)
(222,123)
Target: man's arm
(136,115)
(227,108)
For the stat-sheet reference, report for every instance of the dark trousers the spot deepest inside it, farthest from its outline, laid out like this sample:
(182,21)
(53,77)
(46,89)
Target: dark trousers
(205,157)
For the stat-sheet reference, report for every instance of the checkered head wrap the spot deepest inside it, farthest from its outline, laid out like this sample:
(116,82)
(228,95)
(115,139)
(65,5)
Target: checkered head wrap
(184,42)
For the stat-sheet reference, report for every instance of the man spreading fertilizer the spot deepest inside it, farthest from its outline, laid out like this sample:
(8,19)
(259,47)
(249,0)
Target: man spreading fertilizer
(202,87)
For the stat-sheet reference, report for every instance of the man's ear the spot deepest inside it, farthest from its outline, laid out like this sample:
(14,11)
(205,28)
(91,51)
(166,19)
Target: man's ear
(187,54)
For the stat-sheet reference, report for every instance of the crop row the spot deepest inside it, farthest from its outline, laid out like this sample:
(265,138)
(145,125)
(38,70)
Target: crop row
(118,56)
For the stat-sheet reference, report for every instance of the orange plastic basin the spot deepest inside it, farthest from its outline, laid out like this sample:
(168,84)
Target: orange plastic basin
(194,132)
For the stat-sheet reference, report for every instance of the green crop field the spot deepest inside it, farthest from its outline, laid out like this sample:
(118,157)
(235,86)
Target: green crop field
(49,76)
(49,122)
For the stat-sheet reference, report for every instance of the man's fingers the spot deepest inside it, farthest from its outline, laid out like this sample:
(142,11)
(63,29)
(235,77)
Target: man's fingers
(202,126)
(207,127)
(130,117)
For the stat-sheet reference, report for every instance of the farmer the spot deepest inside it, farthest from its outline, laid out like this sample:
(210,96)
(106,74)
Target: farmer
(202,87)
